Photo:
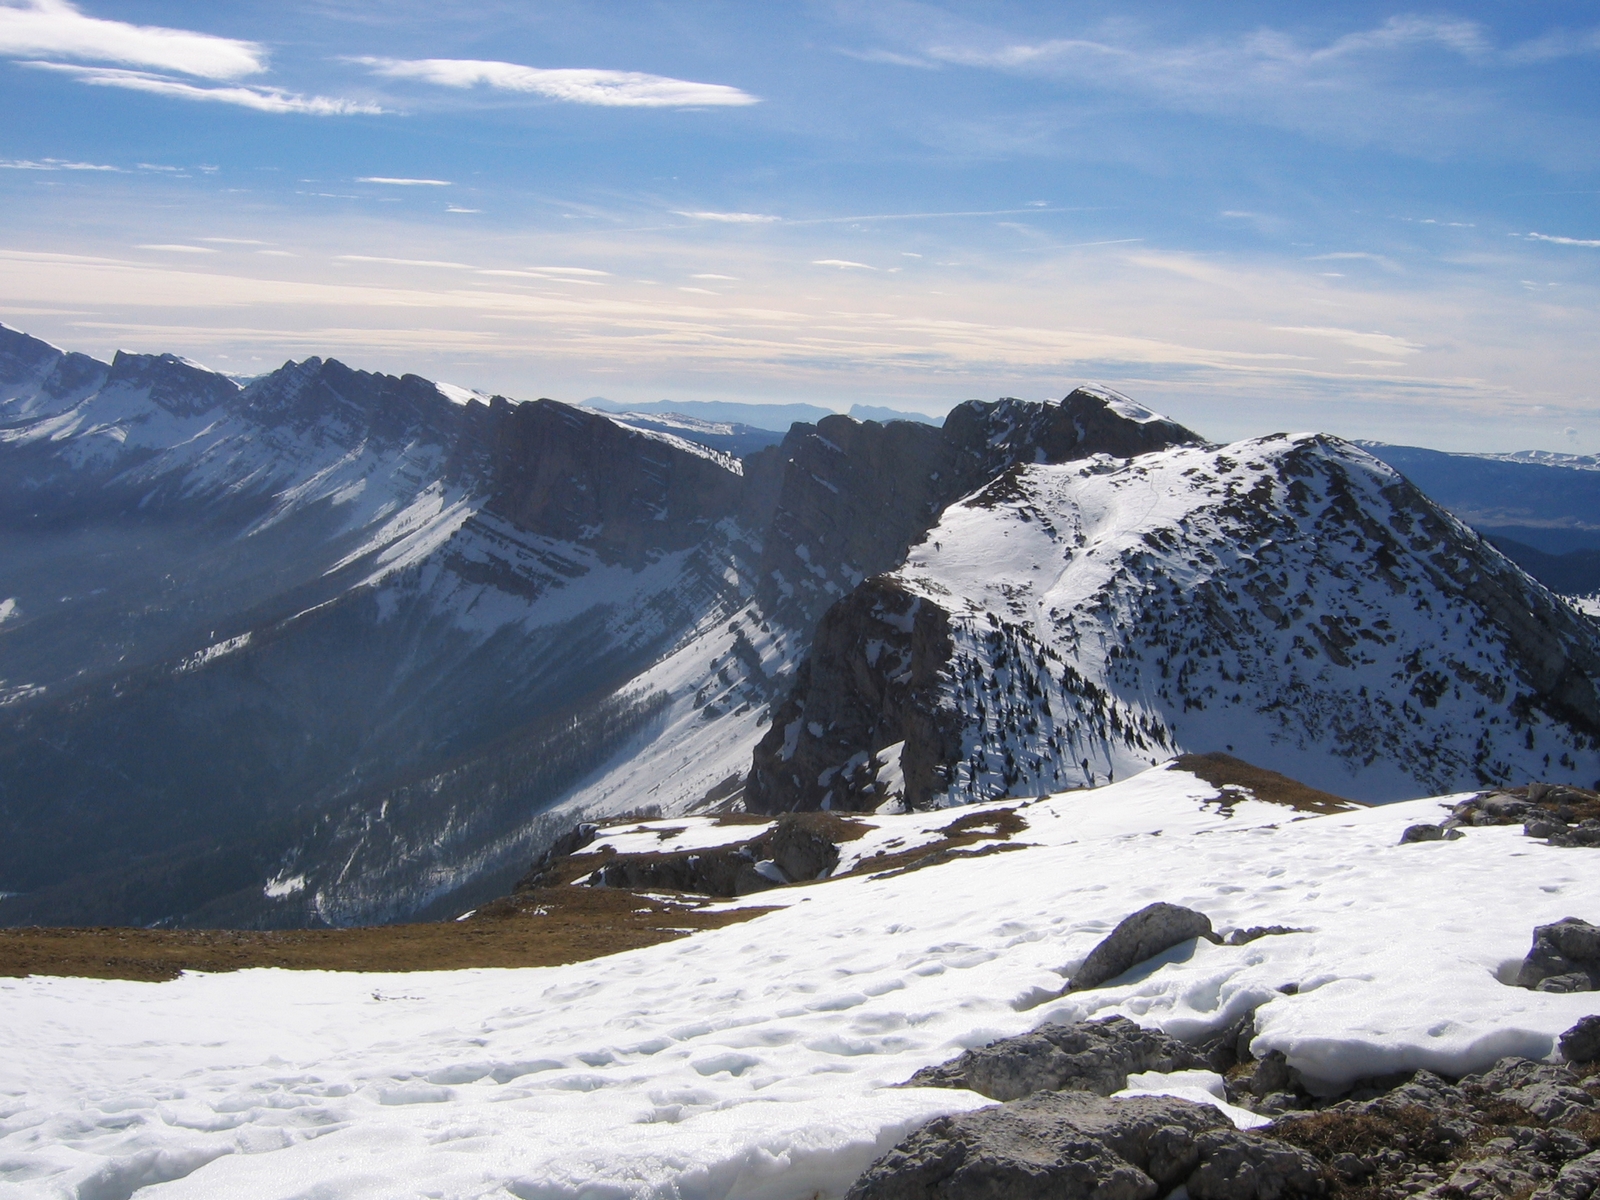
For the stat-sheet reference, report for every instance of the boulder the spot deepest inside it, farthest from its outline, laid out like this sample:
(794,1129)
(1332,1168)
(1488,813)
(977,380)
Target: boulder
(1581,1043)
(1548,1091)
(1578,1180)
(1078,1146)
(1089,1056)
(1429,833)
(1150,931)
(1565,958)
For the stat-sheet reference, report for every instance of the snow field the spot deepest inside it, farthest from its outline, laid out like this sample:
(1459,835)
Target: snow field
(758,1060)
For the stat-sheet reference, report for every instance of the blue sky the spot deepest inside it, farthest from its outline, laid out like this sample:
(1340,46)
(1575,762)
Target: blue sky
(1376,220)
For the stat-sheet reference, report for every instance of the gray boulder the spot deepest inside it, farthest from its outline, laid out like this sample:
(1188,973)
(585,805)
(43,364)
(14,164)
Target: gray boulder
(1581,1043)
(1150,931)
(1089,1056)
(1565,958)
(1077,1146)
(1430,833)
(1578,1180)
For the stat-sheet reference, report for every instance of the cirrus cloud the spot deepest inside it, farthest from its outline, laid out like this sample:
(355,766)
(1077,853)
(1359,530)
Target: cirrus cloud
(262,99)
(574,85)
(56,28)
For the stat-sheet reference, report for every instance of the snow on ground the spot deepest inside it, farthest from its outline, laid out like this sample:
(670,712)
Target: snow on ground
(758,1060)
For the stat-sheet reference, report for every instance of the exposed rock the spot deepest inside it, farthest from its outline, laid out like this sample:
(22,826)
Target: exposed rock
(1429,833)
(799,847)
(1565,958)
(1581,1043)
(1578,1180)
(1547,1091)
(1088,1056)
(1555,813)
(1145,934)
(1074,1146)
(569,843)
(871,682)
(1241,937)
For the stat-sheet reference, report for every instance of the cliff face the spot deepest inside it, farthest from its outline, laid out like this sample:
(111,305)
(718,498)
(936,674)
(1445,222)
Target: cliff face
(576,476)
(872,681)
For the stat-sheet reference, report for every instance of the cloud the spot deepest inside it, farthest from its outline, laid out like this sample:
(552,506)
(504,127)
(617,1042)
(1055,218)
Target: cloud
(176,248)
(1381,343)
(262,99)
(730,218)
(405,182)
(842,264)
(1398,83)
(402,262)
(1561,241)
(709,276)
(611,89)
(57,28)
(569,271)
(50,164)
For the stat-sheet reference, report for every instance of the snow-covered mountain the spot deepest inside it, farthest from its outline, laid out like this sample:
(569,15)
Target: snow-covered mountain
(323,648)
(1290,599)
(334,647)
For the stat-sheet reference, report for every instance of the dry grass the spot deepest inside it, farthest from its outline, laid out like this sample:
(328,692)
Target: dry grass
(1223,770)
(541,927)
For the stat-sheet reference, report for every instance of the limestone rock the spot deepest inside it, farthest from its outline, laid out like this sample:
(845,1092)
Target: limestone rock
(1145,934)
(1089,1056)
(1581,1043)
(1075,1146)
(1565,958)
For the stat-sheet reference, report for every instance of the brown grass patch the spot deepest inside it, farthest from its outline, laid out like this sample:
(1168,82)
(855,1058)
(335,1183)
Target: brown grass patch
(1223,770)
(1327,1135)
(996,825)
(541,927)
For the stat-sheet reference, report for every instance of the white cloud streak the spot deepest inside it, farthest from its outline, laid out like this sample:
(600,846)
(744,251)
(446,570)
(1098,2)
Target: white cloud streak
(393,182)
(56,28)
(50,164)
(1561,241)
(261,99)
(731,218)
(608,89)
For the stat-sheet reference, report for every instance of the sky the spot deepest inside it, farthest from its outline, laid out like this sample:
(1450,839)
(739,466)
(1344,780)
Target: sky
(1374,220)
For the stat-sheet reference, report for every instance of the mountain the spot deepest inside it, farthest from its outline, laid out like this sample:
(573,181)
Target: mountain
(1550,502)
(774,417)
(322,649)
(1291,597)
(337,647)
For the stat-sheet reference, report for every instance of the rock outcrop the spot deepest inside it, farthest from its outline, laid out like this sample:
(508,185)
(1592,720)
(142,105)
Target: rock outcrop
(1087,1056)
(1079,1146)
(1152,930)
(1565,958)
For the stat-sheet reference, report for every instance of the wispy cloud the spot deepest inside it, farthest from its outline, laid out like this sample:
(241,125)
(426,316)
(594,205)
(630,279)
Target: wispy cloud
(611,89)
(843,264)
(731,218)
(1561,241)
(393,182)
(55,28)
(51,164)
(176,248)
(1374,85)
(262,99)
(1381,343)
(403,262)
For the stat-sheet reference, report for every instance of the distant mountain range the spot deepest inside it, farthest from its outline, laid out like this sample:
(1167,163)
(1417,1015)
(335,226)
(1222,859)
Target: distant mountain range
(772,417)
(339,647)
